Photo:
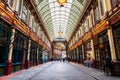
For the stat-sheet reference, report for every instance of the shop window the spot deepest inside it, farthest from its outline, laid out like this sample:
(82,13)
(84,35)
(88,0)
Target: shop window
(103,37)
(18,49)
(33,53)
(116,35)
(4,43)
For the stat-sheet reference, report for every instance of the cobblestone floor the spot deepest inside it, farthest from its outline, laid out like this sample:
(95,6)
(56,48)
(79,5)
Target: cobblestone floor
(63,71)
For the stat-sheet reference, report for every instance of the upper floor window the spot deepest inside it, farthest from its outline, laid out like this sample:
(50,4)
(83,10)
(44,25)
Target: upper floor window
(96,14)
(86,26)
(11,3)
(101,7)
(115,2)
(19,7)
(24,14)
(34,25)
(40,34)
(92,23)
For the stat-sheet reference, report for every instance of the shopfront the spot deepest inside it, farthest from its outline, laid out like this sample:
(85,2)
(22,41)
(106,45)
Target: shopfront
(87,50)
(80,54)
(40,50)
(5,33)
(102,48)
(33,54)
(20,50)
(116,36)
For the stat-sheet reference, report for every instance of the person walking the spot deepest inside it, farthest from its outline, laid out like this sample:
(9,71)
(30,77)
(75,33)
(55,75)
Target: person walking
(107,65)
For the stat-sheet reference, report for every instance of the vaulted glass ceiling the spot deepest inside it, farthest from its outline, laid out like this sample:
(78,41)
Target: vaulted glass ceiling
(56,18)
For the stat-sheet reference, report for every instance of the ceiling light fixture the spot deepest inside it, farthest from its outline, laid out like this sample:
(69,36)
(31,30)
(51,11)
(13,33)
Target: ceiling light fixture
(60,33)
(62,2)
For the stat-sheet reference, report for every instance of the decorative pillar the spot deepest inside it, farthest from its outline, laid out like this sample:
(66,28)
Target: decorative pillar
(28,56)
(111,42)
(23,61)
(92,46)
(9,62)
(24,54)
(93,54)
(77,55)
(74,55)
(83,52)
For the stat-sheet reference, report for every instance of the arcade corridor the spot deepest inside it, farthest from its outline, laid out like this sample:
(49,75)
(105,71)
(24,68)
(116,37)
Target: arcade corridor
(36,34)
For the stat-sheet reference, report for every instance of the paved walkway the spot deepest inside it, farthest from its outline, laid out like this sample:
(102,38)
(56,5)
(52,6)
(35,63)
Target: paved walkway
(62,71)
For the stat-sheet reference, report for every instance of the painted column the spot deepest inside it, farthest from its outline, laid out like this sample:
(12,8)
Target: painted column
(93,53)
(83,52)
(24,54)
(9,62)
(77,55)
(92,46)
(111,42)
(23,61)
(28,56)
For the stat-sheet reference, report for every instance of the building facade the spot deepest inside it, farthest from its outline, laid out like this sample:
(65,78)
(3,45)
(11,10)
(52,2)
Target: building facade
(22,37)
(97,33)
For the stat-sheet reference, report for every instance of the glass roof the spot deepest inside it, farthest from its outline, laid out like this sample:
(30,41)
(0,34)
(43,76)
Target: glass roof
(57,18)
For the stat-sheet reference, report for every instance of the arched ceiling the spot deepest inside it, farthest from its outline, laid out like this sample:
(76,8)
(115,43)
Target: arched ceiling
(56,18)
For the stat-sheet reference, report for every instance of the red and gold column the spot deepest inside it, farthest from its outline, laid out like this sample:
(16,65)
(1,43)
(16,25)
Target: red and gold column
(28,56)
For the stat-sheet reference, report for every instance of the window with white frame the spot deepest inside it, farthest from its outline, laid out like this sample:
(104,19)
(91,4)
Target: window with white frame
(115,2)
(96,14)
(86,26)
(34,24)
(20,7)
(92,19)
(28,21)
(101,7)
(11,3)
(24,13)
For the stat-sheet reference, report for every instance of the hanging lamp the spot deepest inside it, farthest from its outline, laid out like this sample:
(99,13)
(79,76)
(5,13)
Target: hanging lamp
(62,2)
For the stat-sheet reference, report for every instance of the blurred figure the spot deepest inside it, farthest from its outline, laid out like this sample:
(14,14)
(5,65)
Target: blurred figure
(107,64)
